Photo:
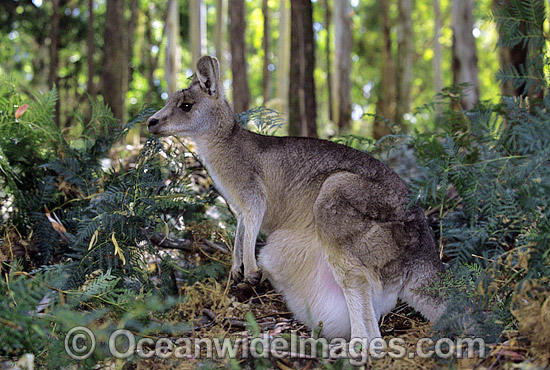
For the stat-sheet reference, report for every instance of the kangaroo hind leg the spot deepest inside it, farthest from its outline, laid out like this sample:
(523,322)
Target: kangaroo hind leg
(343,212)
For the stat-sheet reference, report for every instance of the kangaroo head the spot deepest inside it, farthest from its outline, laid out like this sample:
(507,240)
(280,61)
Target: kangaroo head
(196,110)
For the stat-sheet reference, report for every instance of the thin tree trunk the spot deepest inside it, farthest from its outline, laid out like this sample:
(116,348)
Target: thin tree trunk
(385,106)
(404,62)
(134,135)
(438,81)
(197,28)
(266,78)
(152,61)
(134,9)
(219,34)
(90,86)
(173,55)
(327,60)
(465,69)
(283,46)
(114,58)
(53,75)
(237,27)
(436,62)
(342,63)
(301,97)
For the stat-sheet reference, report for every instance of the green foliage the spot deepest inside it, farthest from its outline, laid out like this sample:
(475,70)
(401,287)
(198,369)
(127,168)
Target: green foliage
(30,138)
(93,222)
(485,174)
(356,142)
(105,216)
(35,311)
(471,309)
(19,299)
(212,269)
(521,23)
(463,280)
(266,121)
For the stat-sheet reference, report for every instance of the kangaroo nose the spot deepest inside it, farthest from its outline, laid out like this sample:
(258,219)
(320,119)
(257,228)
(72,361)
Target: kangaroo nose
(152,122)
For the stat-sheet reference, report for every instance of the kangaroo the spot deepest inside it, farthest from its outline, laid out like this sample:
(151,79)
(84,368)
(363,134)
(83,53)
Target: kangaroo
(342,246)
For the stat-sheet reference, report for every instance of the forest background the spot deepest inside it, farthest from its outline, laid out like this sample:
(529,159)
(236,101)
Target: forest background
(106,227)
(377,57)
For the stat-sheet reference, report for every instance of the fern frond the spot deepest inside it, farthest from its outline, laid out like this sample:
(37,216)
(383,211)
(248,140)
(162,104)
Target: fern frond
(266,120)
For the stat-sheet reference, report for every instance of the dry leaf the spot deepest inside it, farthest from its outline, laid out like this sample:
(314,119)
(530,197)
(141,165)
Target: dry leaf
(56,224)
(93,240)
(117,249)
(19,112)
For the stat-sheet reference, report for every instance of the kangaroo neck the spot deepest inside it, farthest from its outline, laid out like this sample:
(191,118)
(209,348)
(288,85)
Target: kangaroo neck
(223,156)
(221,144)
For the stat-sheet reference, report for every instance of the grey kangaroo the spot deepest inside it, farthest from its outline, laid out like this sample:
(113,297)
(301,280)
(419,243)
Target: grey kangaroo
(342,246)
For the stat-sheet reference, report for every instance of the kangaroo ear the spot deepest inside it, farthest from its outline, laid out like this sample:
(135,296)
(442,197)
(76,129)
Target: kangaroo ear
(208,75)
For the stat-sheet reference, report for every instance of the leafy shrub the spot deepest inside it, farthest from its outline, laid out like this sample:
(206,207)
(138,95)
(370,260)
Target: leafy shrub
(89,225)
(74,209)
(521,22)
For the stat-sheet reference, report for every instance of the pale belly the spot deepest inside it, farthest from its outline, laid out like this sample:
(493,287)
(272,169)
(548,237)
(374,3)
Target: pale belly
(296,266)
(295,263)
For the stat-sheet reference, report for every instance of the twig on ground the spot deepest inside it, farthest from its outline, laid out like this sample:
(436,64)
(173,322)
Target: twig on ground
(161,240)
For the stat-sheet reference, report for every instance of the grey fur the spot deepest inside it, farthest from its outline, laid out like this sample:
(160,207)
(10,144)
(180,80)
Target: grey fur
(342,246)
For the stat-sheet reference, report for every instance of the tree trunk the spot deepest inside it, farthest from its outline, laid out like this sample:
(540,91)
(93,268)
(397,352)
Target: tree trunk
(219,34)
(266,78)
(436,61)
(438,81)
(342,63)
(130,41)
(327,61)
(90,86)
(197,28)
(301,96)
(405,54)
(114,58)
(152,61)
(385,106)
(464,65)
(53,76)
(173,52)
(237,28)
(283,46)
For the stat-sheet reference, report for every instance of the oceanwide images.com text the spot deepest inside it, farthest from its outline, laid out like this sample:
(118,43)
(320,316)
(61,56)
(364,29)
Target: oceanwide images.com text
(80,343)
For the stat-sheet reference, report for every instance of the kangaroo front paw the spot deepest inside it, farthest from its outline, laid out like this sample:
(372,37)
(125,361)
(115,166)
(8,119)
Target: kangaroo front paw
(236,274)
(253,277)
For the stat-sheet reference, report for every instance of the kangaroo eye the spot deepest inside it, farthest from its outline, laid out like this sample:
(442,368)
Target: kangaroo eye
(186,107)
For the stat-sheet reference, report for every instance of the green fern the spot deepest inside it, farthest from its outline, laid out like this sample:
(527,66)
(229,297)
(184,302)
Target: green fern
(267,121)
(520,22)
